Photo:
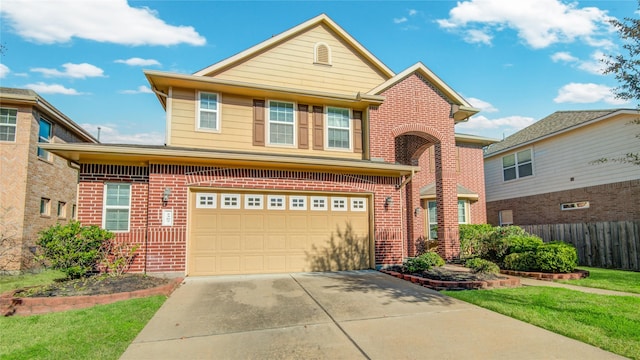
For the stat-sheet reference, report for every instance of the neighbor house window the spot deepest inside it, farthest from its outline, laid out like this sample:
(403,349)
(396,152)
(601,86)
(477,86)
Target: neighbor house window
(45,206)
(74,210)
(506,217)
(62,209)
(117,207)
(8,121)
(208,111)
(44,136)
(432,216)
(281,123)
(338,128)
(517,165)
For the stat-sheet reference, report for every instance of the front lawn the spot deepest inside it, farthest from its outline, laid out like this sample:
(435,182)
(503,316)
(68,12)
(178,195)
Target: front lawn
(618,280)
(99,332)
(611,323)
(11,282)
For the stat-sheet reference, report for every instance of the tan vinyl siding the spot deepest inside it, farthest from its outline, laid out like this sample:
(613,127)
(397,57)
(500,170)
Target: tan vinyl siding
(291,64)
(558,159)
(236,121)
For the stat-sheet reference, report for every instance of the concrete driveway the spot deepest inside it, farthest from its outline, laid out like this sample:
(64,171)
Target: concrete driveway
(344,315)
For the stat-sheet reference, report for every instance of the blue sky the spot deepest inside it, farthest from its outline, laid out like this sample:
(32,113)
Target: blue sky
(518,61)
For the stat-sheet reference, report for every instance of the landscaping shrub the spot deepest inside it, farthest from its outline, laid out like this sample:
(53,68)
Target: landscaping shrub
(494,246)
(522,243)
(422,263)
(556,257)
(482,266)
(523,261)
(470,237)
(73,249)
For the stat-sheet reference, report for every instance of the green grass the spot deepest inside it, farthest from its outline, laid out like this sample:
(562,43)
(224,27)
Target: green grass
(11,282)
(618,280)
(611,323)
(99,332)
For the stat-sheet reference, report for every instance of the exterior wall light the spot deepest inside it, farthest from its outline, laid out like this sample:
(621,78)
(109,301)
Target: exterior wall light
(388,201)
(165,196)
(417,210)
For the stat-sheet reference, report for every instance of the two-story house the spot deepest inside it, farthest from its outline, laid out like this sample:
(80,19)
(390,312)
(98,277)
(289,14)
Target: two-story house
(37,188)
(550,173)
(302,153)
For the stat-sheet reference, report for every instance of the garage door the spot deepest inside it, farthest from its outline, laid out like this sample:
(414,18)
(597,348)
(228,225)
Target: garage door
(252,233)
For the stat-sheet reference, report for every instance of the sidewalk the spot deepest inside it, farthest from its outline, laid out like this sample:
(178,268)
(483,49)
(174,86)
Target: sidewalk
(533,282)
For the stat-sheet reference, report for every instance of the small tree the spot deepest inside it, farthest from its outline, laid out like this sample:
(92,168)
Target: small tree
(73,249)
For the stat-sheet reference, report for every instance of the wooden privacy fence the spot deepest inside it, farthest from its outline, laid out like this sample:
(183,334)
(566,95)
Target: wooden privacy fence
(602,244)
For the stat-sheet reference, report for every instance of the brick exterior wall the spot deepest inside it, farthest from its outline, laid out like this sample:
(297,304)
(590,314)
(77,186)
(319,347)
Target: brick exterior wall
(26,179)
(610,202)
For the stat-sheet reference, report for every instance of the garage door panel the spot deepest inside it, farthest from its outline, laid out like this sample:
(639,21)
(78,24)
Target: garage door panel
(267,240)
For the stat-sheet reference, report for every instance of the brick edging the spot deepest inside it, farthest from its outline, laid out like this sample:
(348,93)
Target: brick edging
(455,285)
(11,305)
(576,274)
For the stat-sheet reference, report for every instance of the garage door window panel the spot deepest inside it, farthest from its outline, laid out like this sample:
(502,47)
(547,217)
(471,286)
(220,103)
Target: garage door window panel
(339,204)
(254,202)
(297,203)
(319,203)
(206,201)
(358,204)
(276,202)
(230,201)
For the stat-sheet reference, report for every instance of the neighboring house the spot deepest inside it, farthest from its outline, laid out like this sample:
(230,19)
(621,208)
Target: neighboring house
(37,188)
(302,153)
(548,173)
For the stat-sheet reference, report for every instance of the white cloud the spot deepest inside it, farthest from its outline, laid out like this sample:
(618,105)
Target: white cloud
(111,21)
(539,23)
(110,134)
(75,71)
(42,88)
(595,65)
(511,123)
(478,36)
(400,20)
(584,93)
(4,70)
(563,56)
(142,89)
(412,12)
(136,61)
(482,105)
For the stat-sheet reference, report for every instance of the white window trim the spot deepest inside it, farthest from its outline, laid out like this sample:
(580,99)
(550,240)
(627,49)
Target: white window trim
(315,53)
(248,197)
(47,206)
(515,154)
(230,196)
(116,207)
(344,199)
(576,205)
(326,130)
(214,198)
(15,126)
(61,210)
(217,112)
(295,124)
(358,209)
(319,208)
(292,198)
(271,207)
(467,211)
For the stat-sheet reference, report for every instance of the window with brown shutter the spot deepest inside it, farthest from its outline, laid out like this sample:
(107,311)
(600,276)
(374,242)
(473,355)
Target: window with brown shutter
(318,128)
(357,131)
(303,126)
(258,122)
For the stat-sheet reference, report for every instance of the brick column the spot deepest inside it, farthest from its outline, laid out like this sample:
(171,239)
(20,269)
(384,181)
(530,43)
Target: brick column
(447,200)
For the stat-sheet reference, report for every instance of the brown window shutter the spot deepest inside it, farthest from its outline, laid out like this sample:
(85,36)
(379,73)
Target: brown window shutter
(357,132)
(303,126)
(258,122)
(318,128)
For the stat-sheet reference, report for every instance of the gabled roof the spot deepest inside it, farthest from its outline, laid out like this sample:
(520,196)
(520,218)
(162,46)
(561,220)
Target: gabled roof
(557,123)
(28,96)
(277,39)
(463,109)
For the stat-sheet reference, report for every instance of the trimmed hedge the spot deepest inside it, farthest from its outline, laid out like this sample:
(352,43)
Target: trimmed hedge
(422,263)
(482,266)
(556,257)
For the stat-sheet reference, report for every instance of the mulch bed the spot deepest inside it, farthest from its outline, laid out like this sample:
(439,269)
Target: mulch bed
(458,278)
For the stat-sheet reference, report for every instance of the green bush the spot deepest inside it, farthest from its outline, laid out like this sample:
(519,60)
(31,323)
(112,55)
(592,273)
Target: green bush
(73,249)
(520,243)
(482,266)
(495,246)
(522,261)
(470,237)
(422,263)
(556,257)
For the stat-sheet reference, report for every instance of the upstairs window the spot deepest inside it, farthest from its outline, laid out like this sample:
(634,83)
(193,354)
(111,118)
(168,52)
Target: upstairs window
(44,136)
(8,121)
(281,123)
(208,111)
(338,128)
(322,54)
(517,165)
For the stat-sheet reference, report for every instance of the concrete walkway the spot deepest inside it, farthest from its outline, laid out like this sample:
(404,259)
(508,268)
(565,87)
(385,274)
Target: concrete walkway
(344,315)
(533,282)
